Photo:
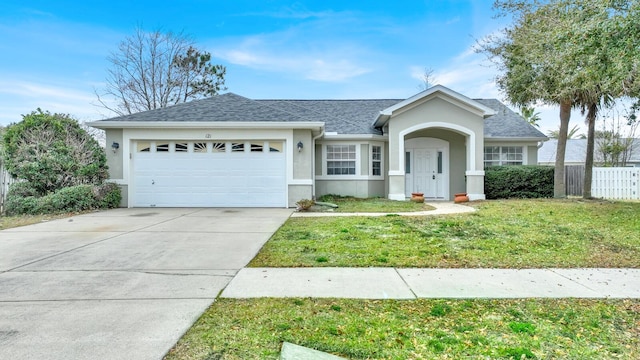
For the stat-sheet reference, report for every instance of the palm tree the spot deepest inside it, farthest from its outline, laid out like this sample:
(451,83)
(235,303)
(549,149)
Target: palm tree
(571,134)
(530,114)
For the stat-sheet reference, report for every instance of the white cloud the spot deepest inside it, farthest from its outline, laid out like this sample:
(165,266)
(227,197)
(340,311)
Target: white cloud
(22,97)
(311,61)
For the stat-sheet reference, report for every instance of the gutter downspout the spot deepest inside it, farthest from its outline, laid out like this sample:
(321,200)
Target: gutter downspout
(313,164)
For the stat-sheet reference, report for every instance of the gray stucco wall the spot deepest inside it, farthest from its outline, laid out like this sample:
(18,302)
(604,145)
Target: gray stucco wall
(124,190)
(297,193)
(532,155)
(302,160)
(357,188)
(114,160)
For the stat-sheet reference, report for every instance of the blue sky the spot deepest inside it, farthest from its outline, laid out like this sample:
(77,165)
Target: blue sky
(54,52)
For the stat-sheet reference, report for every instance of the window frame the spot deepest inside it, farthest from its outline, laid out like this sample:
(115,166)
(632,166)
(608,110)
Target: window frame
(341,160)
(503,155)
(372,160)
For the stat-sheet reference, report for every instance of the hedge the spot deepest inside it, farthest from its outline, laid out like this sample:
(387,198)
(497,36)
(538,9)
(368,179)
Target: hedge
(526,181)
(20,199)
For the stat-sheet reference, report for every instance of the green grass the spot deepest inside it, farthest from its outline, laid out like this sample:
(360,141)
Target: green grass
(504,234)
(420,329)
(373,205)
(8,222)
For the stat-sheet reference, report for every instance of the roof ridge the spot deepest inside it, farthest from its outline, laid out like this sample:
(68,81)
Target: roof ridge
(345,120)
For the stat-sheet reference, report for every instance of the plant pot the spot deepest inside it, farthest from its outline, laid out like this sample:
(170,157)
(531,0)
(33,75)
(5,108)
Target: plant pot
(460,198)
(417,197)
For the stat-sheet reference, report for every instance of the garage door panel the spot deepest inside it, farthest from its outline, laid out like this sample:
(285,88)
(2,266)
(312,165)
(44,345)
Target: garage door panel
(236,179)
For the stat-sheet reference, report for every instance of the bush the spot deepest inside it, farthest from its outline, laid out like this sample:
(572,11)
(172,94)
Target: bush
(527,181)
(52,151)
(69,199)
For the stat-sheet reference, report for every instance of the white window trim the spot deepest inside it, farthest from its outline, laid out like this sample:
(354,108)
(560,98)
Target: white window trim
(324,160)
(381,145)
(523,148)
(358,175)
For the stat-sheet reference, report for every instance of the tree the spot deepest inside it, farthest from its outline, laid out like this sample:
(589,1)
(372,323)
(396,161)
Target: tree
(530,114)
(428,80)
(152,70)
(615,140)
(51,151)
(571,133)
(571,53)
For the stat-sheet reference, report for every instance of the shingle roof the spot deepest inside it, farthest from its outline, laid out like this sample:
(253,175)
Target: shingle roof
(225,107)
(340,116)
(506,123)
(576,150)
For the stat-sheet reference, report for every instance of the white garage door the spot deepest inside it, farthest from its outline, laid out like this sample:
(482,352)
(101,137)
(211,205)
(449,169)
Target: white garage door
(209,174)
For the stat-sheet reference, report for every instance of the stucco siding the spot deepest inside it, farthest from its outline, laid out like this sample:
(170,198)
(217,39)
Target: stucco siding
(356,188)
(302,160)
(435,110)
(299,192)
(124,190)
(114,159)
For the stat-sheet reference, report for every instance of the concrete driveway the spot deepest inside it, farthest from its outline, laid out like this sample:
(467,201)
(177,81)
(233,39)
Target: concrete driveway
(120,284)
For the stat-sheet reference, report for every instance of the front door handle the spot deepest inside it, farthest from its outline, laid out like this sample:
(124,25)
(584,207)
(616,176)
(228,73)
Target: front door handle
(153,182)
(433,177)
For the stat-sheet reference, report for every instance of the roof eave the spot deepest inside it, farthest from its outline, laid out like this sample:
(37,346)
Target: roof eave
(105,124)
(529,138)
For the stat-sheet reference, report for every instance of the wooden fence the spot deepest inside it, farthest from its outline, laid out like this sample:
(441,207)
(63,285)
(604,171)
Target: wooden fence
(574,179)
(619,183)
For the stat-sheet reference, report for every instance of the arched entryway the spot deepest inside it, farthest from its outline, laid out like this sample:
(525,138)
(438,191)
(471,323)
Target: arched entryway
(427,167)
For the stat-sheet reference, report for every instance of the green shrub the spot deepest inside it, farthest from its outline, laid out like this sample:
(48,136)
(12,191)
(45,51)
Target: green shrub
(52,151)
(527,181)
(69,199)
(22,189)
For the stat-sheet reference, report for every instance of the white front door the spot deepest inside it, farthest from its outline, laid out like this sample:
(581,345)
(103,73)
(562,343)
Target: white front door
(425,167)
(425,179)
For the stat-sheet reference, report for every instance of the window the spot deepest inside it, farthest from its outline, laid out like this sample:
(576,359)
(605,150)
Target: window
(162,147)
(200,147)
(143,146)
(218,147)
(502,155)
(341,159)
(182,147)
(407,162)
(237,147)
(376,160)
(275,146)
(257,147)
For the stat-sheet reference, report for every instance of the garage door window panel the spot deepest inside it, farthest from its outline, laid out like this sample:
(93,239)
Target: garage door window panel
(162,146)
(182,147)
(237,147)
(275,146)
(200,147)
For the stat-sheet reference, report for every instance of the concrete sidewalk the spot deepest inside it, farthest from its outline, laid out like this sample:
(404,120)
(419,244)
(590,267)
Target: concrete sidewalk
(390,283)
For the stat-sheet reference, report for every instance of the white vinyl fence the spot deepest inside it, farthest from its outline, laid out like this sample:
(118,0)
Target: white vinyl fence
(616,183)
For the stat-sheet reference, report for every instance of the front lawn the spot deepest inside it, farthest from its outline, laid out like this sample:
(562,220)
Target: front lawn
(503,234)
(373,205)
(420,329)
(8,222)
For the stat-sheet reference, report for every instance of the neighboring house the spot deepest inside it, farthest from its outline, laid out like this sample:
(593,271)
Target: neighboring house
(576,152)
(230,151)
